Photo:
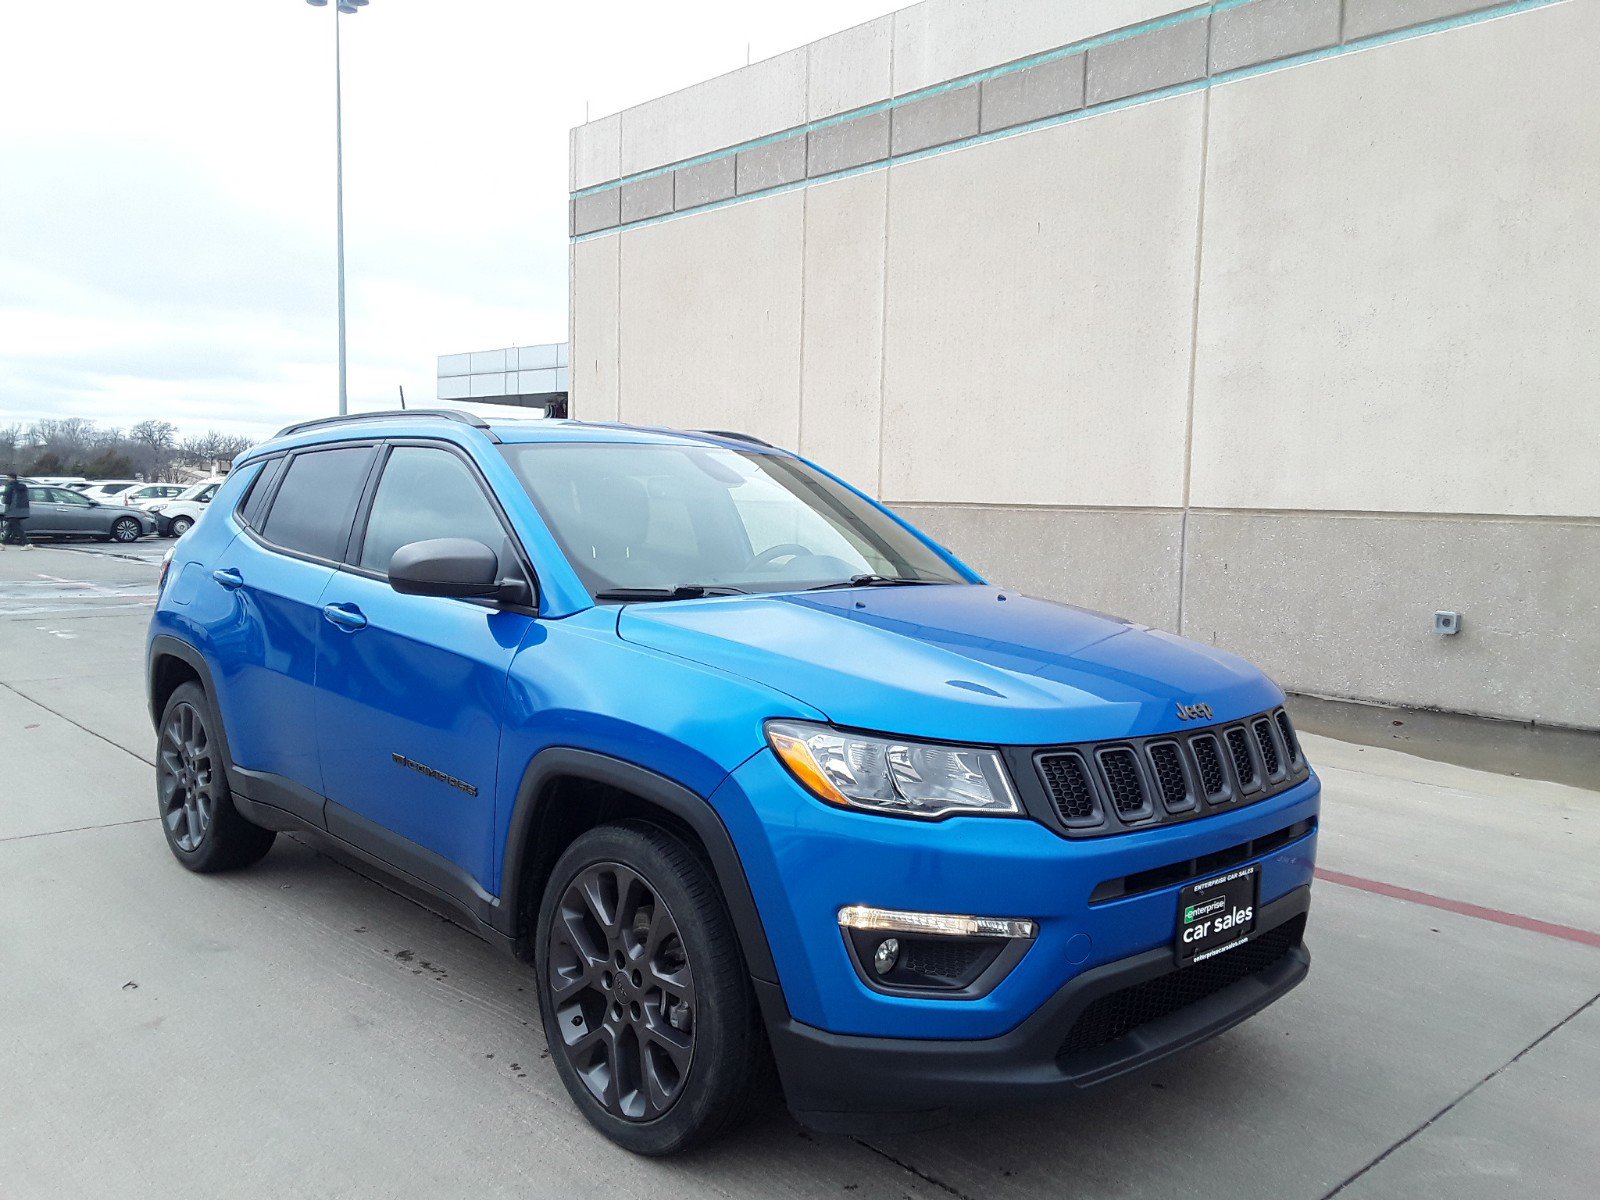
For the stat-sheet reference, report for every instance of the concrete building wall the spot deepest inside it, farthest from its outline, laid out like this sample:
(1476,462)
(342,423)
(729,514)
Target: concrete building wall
(1276,323)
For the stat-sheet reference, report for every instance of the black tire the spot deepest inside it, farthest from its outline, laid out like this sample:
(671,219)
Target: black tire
(204,830)
(180,526)
(617,1036)
(126,529)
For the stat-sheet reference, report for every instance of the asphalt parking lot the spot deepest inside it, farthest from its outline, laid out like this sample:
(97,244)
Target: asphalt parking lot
(300,1030)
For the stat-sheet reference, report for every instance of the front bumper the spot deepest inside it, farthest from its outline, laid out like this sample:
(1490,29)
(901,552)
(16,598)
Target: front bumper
(805,860)
(1088,1032)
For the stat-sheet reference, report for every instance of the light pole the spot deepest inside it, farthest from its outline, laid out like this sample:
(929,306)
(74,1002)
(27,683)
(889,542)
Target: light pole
(344,8)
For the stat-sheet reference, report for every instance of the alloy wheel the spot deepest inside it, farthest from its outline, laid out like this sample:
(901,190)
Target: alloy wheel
(126,530)
(187,777)
(622,991)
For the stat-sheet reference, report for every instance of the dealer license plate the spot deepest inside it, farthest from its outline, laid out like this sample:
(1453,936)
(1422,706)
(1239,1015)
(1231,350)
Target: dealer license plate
(1216,915)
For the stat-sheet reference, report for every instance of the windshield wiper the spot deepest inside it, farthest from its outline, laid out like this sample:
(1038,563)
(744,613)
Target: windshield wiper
(683,591)
(870,581)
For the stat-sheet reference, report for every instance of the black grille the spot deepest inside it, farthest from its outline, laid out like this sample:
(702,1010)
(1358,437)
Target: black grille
(1122,780)
(1098,789)
(1169,776)
(1207,754)
(1120,1013)
(942,959)
(1244,767)
(1068,781)
(1290,742)
(1269,748)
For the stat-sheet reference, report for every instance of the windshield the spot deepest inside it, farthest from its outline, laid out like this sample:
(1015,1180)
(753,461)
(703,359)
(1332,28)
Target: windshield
(638,518)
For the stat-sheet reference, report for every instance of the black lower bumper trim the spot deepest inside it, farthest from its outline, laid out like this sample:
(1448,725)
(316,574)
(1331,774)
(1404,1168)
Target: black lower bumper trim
(845,1083)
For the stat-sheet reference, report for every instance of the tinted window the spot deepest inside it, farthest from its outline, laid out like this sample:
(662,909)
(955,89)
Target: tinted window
(256,498)
(427,493)
(311,512)
(63,496)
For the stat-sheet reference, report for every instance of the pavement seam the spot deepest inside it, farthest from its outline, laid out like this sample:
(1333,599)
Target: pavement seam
(910,1170)
(76,725)
(1428,1124)
(22,837)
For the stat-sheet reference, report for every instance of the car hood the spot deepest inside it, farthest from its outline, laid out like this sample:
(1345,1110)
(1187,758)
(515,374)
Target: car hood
(965,663)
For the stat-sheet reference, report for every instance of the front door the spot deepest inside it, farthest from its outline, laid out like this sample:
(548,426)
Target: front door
(411,690)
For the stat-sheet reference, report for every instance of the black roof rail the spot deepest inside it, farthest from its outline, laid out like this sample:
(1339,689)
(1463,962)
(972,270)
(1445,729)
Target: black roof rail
(447,414)
(738,437)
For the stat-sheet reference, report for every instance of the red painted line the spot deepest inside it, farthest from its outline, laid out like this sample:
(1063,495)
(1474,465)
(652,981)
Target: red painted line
(1583,937)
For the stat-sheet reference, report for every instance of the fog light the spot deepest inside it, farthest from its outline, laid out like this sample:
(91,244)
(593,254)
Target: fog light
(885,956)
(927,954)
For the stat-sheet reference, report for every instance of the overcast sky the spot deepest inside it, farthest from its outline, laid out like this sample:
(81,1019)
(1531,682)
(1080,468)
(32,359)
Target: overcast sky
(166,188)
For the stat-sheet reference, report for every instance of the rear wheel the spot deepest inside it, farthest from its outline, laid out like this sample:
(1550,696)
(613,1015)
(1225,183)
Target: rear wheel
(204,830)
(181,526)
(126,529)
(646,1004)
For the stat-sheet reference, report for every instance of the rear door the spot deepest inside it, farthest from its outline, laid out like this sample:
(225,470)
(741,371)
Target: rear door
(44,513)
(297,519)
(411,690)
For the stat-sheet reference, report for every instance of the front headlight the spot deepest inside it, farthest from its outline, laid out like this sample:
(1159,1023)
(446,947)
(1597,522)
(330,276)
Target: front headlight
(893,775)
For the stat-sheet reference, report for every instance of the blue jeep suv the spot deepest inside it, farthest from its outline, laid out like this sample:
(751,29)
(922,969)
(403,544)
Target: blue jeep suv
(752,772)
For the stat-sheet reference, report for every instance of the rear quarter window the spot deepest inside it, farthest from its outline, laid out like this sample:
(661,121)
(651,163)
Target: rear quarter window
(253,507)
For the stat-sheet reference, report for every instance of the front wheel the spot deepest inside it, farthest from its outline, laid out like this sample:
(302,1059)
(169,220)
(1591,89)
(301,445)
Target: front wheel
(125,529)
(204,830)
(646,1004)
(181,526)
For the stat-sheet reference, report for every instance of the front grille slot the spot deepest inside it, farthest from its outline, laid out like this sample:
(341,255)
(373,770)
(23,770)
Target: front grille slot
(1124,783)
(1290,742)
(1067,778)
(1170,778)
(1118,1014)
(1156,878)
(1208,754)
(1244,767)
(1269,748)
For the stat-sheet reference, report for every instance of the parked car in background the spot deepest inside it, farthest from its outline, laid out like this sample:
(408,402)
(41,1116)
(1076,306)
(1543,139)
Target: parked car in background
(108,490)
(178,515)
(62,512)
(147,494)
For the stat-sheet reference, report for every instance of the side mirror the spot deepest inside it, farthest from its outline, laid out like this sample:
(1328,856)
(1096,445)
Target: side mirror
(458,568)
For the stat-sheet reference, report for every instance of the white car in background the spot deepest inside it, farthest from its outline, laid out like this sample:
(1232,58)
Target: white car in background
(147,494)
(106,491)
(178,515)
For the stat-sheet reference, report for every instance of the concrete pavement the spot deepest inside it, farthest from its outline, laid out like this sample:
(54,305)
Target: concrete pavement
(300,1030)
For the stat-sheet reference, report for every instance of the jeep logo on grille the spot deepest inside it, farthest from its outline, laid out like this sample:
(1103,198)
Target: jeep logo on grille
(1193,712)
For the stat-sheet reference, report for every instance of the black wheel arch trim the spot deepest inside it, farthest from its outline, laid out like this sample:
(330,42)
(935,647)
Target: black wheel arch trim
(672,797)
(549,764)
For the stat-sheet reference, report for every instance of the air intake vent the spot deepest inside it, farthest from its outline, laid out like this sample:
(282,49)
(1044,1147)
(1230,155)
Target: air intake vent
(1068,780)
(1123,782)
(1244,767)
(1170,779)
